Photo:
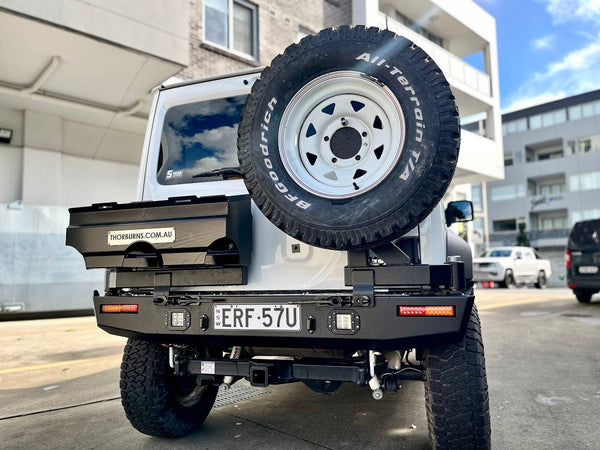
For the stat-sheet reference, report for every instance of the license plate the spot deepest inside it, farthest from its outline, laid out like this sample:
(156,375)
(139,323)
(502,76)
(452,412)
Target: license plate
(257,317)
(588,269)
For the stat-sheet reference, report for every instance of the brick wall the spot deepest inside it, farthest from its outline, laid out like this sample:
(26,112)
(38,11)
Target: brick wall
(279,22)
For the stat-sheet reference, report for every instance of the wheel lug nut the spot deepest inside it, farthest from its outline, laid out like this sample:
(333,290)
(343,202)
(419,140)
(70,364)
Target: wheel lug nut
(326,138)
(357,157)
(334,160)
(364,134)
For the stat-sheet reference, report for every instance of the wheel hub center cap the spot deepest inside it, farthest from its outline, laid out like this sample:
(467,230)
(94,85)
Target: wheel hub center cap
(345,143)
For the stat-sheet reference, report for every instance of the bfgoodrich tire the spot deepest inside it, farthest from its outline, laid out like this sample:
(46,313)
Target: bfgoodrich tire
(350,138)
(156,401)
(456,392)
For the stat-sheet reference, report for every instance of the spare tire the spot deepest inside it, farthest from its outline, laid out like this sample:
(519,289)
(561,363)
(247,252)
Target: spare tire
(349,138)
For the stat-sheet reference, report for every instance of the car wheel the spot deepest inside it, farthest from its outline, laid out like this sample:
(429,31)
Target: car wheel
(583,296)
(349,138)
(541,281)
(156,401)
(509,279)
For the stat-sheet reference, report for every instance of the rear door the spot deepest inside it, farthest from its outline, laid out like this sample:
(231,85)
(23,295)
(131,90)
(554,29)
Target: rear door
(194,133)
(522,272)
(584,244)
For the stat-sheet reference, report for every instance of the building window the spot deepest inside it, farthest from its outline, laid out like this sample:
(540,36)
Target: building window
(584,110)
(588,214)
(550,187)
(587,110)
(233,25)
(476,197)
(502,225)
(556,222)
(507,192)
(515,126)
(584,181)
(589,144)
(508,159)
(575,112)
(535,122)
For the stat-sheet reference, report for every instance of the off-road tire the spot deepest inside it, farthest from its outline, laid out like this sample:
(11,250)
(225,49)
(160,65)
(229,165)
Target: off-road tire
(583,296)
(349,138)
(156,402)
(456,392)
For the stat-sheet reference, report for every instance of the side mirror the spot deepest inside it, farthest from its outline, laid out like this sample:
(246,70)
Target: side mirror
(461,211)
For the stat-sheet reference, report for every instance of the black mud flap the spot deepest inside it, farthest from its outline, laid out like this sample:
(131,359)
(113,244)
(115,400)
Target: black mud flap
(179,233)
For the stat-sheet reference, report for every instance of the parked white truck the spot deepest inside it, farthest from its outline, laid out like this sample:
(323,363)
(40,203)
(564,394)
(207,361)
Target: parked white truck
(511,265)
(289,229)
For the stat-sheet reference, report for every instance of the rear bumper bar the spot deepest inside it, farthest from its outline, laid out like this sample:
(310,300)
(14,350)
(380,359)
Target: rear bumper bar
(375,326)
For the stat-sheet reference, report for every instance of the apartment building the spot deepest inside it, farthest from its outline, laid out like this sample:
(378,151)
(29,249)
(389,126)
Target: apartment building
(76,82)
(552,176)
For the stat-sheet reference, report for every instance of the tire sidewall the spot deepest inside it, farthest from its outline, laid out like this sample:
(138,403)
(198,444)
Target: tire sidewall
(408,82)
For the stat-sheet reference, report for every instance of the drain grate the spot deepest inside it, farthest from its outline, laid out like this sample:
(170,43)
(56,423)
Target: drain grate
(239,392)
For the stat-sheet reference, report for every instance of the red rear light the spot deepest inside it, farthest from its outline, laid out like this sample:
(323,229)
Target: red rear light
(127,309)
(426,311)
(568,259)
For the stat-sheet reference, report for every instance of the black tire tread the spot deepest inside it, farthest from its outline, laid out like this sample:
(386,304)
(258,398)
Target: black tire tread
(396,222)
(147,397)
(456,392)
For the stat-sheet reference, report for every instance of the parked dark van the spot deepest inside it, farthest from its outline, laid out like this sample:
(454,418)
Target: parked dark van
(583,259)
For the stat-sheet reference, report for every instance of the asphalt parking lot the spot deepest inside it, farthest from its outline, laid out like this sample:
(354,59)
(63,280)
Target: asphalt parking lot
(59,389)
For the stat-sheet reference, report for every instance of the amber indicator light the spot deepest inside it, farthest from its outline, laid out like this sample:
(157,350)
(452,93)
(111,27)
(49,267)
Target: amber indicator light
(426,311)
(128,309)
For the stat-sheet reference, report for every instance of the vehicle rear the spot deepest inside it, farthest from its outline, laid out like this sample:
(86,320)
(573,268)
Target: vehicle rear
(583,259)
(276,239)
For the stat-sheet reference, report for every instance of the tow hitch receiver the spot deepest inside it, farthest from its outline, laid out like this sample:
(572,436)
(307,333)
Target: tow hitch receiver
(277,371)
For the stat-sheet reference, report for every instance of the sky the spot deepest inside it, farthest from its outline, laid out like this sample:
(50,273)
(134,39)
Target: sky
(547,49)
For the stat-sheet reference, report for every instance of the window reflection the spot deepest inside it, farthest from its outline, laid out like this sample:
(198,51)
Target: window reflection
(199,137)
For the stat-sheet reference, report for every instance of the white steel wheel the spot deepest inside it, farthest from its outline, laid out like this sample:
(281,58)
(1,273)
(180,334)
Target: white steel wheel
(349,139)
(341,135)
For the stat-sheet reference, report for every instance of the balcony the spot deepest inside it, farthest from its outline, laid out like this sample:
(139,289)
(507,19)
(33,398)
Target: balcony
(93,63)
(460,74)
(473,150)
(544,203)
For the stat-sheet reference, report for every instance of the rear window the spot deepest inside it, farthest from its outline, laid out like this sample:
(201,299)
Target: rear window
(585,234)
(199,141)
